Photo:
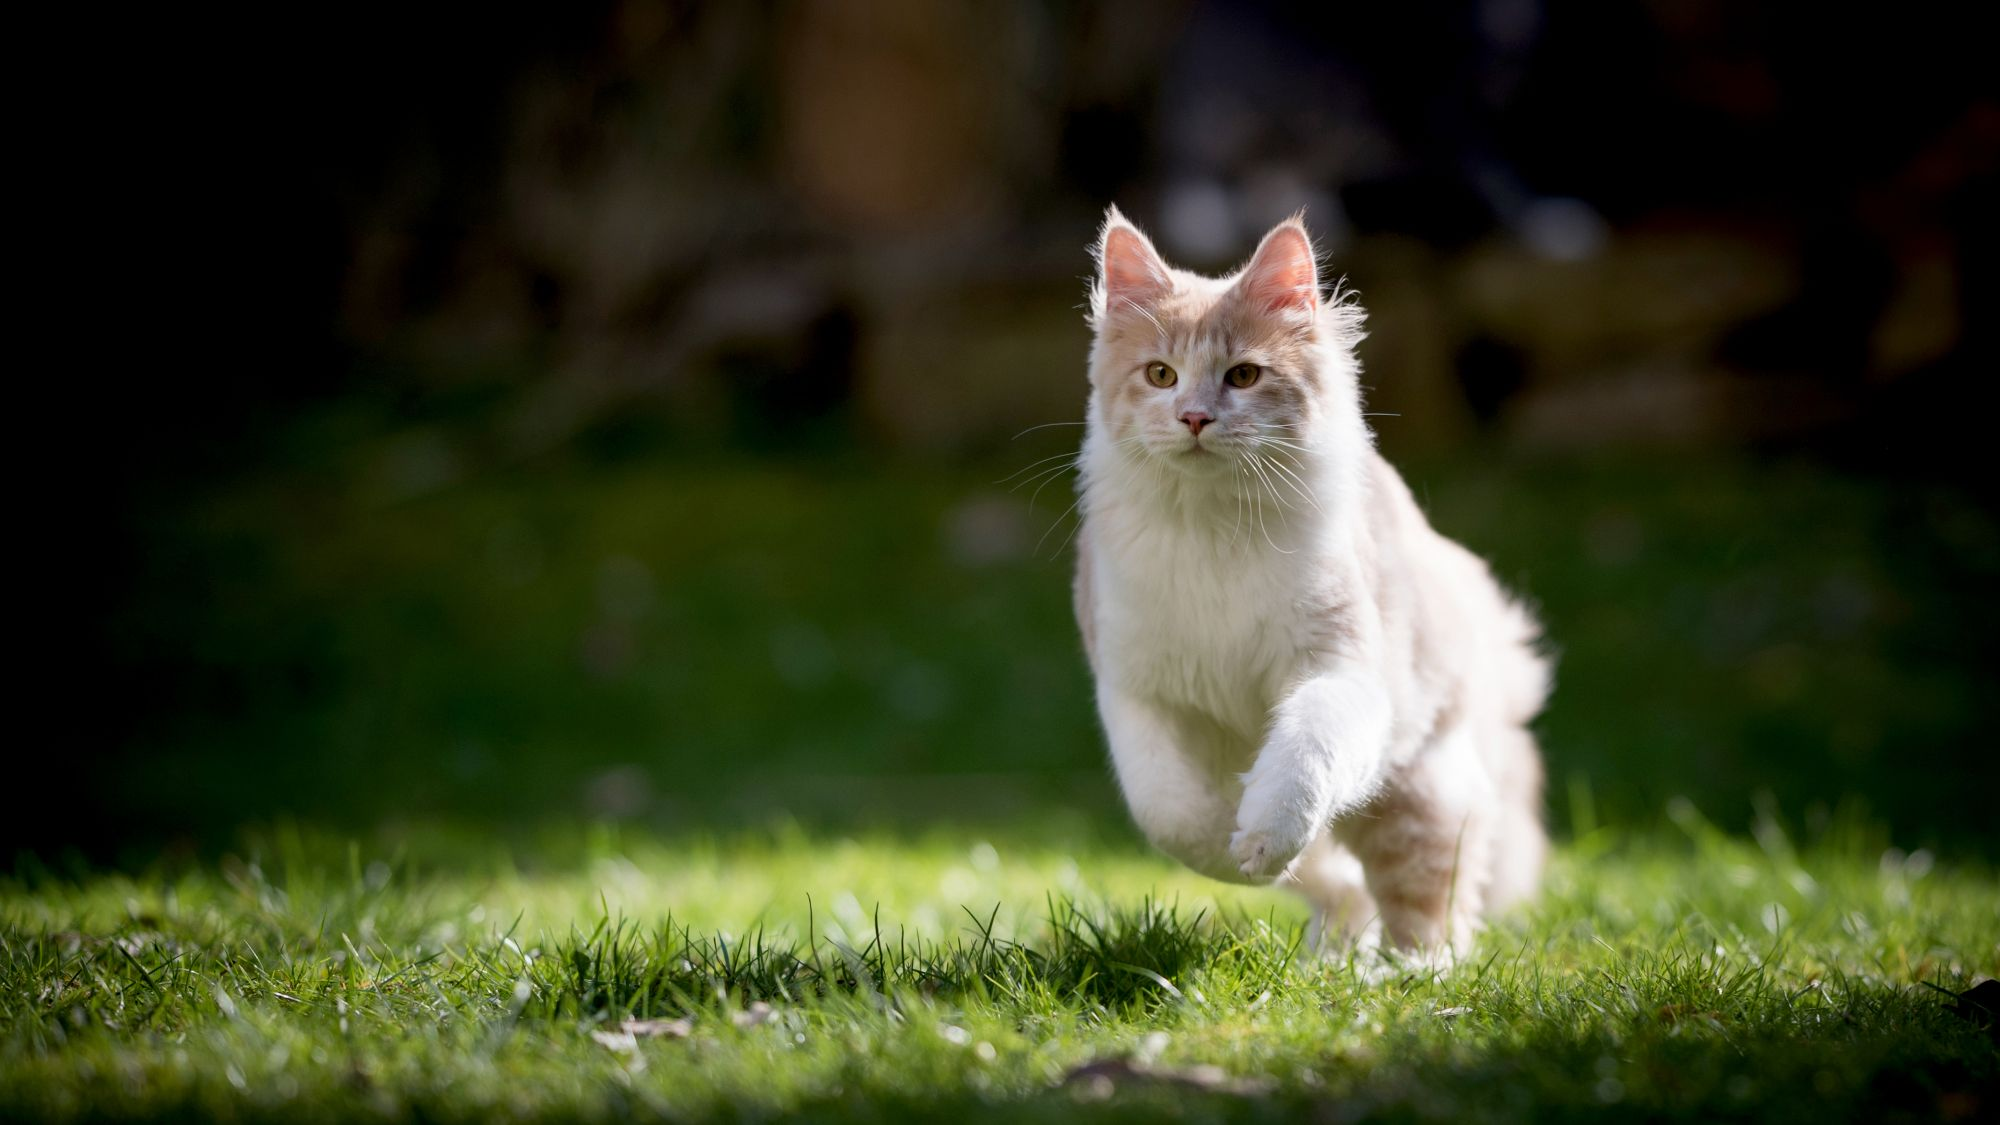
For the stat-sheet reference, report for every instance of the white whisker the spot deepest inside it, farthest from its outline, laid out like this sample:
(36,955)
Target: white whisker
(1296,483)
(1058,523)
(1048,478)
(1283,444)
(1256,464)
(1071,455)
(1237,526)
(1265,527)
(1044,426)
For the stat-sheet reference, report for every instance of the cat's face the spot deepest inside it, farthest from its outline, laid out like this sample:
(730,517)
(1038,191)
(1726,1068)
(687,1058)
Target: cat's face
(1202,373)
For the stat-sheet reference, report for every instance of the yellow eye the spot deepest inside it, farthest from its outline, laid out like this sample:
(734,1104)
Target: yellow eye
(1160,375)
(1243,374)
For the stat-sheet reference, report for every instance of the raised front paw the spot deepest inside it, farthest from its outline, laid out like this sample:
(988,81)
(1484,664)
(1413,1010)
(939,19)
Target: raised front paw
(1264,853)
(1283,807)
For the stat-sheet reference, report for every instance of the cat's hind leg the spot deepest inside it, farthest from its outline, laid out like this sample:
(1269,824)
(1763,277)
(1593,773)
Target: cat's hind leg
(1520,842)
(1425,844)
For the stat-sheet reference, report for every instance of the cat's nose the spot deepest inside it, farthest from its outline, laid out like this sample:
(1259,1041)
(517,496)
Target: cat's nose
(1194,420)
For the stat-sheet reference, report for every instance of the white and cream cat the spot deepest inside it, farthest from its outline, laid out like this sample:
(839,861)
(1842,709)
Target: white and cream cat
(1300,680)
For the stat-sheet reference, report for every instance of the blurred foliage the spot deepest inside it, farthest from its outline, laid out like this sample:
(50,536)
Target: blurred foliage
(394,626)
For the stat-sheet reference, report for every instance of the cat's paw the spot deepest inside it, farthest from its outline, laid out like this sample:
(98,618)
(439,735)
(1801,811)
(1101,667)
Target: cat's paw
(1264,853)
(1278,816)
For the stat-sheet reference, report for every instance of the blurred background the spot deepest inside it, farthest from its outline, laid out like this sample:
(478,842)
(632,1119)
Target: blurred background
(613,411)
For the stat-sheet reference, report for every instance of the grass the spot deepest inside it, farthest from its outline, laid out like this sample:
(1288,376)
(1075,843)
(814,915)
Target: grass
(431,977)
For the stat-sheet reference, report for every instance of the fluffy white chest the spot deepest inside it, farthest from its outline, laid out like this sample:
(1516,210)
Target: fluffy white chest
(1194,622)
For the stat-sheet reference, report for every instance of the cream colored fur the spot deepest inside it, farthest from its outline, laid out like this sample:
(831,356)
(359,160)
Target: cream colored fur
(1299,679)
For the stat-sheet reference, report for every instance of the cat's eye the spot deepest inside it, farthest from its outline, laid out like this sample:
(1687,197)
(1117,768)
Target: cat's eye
(1160,375)
(1242,375)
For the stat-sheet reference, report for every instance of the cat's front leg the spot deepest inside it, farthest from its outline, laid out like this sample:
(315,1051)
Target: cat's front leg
(1184,805)
(1323,756)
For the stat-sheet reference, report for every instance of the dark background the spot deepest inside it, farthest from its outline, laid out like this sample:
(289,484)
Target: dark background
(495,416)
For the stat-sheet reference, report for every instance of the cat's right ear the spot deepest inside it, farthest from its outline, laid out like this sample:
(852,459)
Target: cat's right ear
(1130,273)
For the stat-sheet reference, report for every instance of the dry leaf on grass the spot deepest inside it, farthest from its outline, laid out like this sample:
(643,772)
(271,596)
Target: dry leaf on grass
(758,1012)
(1101,1079)
(625,1035)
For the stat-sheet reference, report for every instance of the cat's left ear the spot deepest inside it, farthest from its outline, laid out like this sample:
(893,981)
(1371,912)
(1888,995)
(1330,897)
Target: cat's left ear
(1282,276)
(1130,273)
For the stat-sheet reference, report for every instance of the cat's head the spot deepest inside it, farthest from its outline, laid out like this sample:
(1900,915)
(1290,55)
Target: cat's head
(1198,373)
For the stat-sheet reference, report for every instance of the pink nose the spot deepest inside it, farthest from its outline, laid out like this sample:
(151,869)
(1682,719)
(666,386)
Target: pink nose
(1194,420)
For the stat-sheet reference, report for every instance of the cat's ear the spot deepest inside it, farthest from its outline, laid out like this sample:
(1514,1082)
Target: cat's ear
(1129,271)
(1282,276)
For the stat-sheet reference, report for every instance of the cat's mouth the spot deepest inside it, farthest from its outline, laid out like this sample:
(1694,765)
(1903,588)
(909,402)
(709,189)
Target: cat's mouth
(1201,450)
(1202,453)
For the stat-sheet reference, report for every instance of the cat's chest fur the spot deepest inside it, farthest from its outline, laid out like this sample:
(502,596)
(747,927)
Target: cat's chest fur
(1199,621)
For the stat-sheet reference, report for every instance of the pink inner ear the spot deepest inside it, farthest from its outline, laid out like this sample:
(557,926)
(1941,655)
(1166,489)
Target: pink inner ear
(1131,272)
(1283,274)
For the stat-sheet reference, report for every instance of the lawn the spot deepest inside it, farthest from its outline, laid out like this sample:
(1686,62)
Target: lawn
(445,785)
(599,973)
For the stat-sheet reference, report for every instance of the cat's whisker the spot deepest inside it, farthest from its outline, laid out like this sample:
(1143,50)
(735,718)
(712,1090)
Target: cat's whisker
(1290,452)
(1044,426)
(1042,480)
(1297,483)
(1048,478)
(1073,530)
(1257,506)
(1258,464)
(1283,444)
(1069,456)
(1058,523)
(1058,467)
(1072,455)
(1289,439)
(1250,459)
(1284,520)
(1299,488)
(1236,527)
(1263,526)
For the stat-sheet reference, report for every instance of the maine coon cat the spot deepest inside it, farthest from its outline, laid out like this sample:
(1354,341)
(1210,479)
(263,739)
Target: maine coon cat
(1299,679)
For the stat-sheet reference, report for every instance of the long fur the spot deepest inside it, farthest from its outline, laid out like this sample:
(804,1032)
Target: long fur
(1299,679)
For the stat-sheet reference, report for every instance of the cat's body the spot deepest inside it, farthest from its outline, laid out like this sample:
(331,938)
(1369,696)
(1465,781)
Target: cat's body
(1298,677)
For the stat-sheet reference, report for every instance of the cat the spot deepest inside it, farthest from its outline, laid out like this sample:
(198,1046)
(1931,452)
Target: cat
(1300,680)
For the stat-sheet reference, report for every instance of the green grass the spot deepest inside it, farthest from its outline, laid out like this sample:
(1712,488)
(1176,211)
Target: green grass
(433,977)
